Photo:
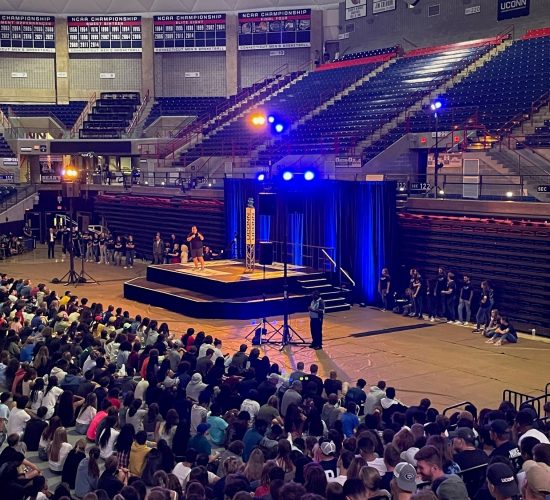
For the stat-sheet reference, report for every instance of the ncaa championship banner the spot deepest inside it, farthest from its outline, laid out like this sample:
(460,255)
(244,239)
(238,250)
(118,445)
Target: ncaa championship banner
(279,29)
(189,33)
(509,9)
(88,34)
(382,6)
(27,33)
(355,9)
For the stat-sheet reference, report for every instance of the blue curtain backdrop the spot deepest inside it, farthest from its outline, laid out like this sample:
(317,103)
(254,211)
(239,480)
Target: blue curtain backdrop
(355,219)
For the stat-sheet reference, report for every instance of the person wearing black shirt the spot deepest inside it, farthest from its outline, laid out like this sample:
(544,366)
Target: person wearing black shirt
(34,428)
(52,236)
(195,240)
(65,239)
(439,300)
(110,249)
(113,479)
(130,252)
(486,304)
(384,284)
(505,333)
(75,238)
(95,248)
(86,246)
(467,456)
(465,301)
(499,433)
(417,288)
(102,249)
(449,294)
(119,250)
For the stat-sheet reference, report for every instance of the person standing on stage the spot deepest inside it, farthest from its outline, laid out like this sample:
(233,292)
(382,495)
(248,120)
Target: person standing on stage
(158,249)
(316,313)
(52,236)
(195,240)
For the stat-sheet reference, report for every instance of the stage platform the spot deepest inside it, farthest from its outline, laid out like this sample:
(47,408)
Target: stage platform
(223,290)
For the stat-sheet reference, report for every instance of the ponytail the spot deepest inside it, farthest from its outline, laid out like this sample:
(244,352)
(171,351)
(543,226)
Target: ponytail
(93,467)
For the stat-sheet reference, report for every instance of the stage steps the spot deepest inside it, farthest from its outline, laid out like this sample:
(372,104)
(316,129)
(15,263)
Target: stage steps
(335,298)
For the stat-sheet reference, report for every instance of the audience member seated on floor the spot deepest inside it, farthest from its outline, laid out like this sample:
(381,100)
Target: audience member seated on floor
(175,415)
(505,333)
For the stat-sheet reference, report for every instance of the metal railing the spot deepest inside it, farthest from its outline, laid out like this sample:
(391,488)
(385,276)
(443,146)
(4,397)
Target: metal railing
(341,271)
(314,257)
(82,118)
(137,115)
(23,191)
(519,399)
(457,405)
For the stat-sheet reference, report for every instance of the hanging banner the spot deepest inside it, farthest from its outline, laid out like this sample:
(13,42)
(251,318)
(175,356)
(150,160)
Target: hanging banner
(277,29)
(355,9)
(51,167)
(189,33)
(509,9)
(27,33)
(88,34)
(382,6)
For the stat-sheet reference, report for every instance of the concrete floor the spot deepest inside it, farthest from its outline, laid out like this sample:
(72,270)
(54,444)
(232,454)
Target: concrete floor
(446,363)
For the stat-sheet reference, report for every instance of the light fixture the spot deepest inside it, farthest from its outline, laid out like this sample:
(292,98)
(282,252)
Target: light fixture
(258,119)
(260,176)
(271,119)
(309,175)
(435,105)
(509,194)
(279,128)
(287,175)
(441,192)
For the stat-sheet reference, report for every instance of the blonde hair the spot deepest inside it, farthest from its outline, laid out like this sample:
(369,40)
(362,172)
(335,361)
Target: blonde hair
(255,465)
(59,437)
(370,477)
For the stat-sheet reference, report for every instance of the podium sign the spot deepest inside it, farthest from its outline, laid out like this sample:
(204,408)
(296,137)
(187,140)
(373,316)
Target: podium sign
(250,226)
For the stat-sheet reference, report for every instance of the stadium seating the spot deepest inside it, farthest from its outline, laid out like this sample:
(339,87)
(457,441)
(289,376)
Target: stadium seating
(110,116)
(356,116)
(5,150)
(503,88)
(300,98)
(67,114)
(368,53)
(183,106)
(6,192)
(541,137)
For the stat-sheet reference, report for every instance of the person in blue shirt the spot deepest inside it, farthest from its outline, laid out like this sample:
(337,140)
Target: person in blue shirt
(253,437)
(217,424)
(25,356)
(349,419)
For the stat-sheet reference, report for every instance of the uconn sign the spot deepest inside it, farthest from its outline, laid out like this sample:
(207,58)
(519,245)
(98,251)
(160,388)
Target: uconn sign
(508,9)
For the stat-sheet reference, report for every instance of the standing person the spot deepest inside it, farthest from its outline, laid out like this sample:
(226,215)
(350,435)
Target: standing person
(195,240)
(384,285)
(449,294)
(465,301)
(102,249)
(184,253)
(316,312)
(95,248)
(417,289)
(486,303)
(51,243)
(119,250)
(130,252)
(438,308)
(158,249)
(110,249)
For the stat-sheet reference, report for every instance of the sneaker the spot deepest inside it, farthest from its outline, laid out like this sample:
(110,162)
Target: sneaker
(476,330)
(432,319)
(411,315)
(125,267)
(131,267)
(450,322)
(457,322)
(465,323)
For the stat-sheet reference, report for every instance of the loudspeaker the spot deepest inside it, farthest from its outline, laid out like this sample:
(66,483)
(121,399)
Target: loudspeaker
(267,203)
(70,189)
(266,253)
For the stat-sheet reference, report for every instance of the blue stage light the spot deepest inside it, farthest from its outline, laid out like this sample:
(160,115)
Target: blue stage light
(436,105)
(279,128)
(287,175)
(271,119)
(260,176)
(309,175)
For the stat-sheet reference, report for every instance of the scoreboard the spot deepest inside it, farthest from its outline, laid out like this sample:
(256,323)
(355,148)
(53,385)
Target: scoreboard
(27,33)
(190,33)
(104,33)
(275,29)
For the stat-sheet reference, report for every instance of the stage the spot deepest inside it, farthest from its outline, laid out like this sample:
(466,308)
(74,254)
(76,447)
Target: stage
(224,290)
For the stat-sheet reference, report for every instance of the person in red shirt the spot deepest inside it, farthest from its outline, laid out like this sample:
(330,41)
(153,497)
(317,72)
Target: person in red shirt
(100,415)
(113,398)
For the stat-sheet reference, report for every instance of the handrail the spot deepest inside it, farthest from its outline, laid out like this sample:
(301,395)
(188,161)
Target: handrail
(336,267)
(457,405)
(80,120)
(329,258)
(137,115)
(521,117)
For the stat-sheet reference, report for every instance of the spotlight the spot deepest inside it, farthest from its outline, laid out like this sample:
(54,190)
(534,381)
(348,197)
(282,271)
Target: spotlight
(309,175)
(509,194)
(279,128)
(271,119)
(260,176)
(435,105)
(287,175)
(441,192)
(258,119)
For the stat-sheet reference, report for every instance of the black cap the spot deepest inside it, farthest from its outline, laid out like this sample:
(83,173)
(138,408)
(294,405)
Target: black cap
(502,478)
(464,433)
(499,426)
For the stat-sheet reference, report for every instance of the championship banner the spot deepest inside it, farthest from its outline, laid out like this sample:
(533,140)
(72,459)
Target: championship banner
(355,9)
(27,33)
(509,9)
(189,33)
(382,6)
(279,29)
(88,34)
(50,168)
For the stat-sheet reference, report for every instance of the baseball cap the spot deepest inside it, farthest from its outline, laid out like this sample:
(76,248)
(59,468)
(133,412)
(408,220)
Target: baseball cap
(538,476)
(202,428)
(127,326)
(499,426)
(328,447)
(408,455)
(502,478)
(405,476)
(452,488)
(463,433)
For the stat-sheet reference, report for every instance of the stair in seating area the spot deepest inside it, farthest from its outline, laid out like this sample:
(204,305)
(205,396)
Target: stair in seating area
(110,116)
(335,298)
(5,150)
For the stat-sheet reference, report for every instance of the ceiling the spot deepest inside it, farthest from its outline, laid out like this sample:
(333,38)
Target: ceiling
(67,7)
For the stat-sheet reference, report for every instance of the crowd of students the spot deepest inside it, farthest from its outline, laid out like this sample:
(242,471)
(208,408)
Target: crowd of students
(444,298)
(164,416)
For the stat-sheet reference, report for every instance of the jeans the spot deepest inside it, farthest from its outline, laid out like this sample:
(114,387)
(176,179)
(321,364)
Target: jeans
(51,250)
(130,255)
(385,301)
(418,305)
(451,311)
(89,252)
(464,305)
(483,316)
(102,255)
(316,326)
(118,258)
(507,337)
(110,256)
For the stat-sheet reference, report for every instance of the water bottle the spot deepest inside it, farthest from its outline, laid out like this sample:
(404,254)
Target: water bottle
(533,332)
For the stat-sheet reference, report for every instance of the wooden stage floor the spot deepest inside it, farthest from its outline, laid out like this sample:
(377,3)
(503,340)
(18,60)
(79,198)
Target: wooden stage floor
(446,363)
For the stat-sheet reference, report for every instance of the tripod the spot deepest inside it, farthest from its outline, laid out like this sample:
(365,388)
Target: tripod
(264,322)
(70,277)
(84,277)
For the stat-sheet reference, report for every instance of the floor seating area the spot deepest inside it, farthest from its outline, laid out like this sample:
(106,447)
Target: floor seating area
(356,116)
(67,114)
(110,116)
(301,97)
(509,253)
(491,96)
(5,150)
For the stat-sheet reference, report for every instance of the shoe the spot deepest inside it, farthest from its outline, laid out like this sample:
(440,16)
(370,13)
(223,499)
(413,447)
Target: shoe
(465,323)
(450,322)
(476,330)
(490,341)
(131,267)
(318,348)
(432,319)
(125,267)
(411,315)
(457,322)
(383,310)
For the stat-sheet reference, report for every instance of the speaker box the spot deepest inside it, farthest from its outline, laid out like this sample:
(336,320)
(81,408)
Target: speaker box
(267,203)
(70,189)
(266,253)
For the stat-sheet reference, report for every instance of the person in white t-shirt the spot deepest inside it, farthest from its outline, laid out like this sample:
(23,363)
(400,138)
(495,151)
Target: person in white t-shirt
(344,462)
(51,395)
(251,404)
(523,427)
(108,437)
(18,418)
(59,449)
